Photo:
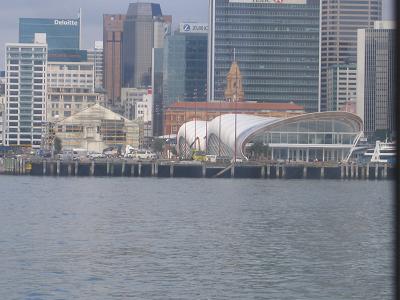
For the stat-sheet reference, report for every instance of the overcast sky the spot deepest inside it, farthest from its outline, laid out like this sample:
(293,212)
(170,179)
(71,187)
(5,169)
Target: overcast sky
(181,10)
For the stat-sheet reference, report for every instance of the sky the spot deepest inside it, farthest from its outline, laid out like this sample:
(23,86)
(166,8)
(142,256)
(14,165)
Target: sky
(92,11)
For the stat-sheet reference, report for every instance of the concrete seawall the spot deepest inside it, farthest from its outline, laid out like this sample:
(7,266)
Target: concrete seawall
(168,169)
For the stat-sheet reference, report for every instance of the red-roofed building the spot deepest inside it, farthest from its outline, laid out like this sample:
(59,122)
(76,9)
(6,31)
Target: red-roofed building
(180,112)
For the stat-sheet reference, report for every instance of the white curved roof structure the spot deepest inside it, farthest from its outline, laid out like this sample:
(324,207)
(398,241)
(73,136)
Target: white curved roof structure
(245,126)
(218,135)
(188,133)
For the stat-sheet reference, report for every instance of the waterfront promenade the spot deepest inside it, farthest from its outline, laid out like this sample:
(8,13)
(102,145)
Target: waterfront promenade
(192,169)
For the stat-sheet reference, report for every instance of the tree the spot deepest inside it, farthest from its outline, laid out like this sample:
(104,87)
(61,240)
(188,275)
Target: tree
(259,149)
(57,145)
(158,145)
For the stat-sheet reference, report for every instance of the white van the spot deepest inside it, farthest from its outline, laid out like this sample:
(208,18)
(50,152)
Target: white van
(143,154)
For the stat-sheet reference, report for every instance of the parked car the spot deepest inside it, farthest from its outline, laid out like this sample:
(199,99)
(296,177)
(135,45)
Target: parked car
(143,154)
(95,155)
(67,155)
(112,152)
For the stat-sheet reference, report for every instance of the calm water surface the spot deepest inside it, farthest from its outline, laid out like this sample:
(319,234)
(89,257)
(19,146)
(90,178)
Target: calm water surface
(103,238)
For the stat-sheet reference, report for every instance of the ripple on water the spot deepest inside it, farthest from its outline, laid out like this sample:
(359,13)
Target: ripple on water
(106,238)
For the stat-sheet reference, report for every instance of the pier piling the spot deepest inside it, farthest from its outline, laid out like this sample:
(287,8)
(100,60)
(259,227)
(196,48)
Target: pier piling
(123,168)
(92,166)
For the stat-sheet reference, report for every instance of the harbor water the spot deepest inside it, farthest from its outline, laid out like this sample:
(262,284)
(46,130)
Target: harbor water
(148,238)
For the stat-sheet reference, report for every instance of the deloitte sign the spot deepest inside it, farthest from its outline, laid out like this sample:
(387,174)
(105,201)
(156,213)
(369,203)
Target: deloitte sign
(66,22)
(193,28)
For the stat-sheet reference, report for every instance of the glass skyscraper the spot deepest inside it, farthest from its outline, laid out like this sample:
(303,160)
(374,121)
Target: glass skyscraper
(60,33)
(376,79)
(276,44)
(143,30)
(185,64)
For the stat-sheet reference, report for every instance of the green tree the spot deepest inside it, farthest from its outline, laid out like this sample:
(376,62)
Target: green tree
(57,145)
(258,149)
(158,145)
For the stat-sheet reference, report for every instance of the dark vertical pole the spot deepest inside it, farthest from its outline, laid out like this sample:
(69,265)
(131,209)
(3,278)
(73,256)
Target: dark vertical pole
(195,122)
(219,129)
(235,99)
(206,142)
(395,199)
(185,130)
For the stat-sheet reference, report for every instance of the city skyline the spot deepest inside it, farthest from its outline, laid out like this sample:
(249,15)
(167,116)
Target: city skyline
(181,10)
(92,16)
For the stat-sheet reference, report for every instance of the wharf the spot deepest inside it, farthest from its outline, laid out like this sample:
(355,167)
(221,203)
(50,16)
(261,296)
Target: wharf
(174,169)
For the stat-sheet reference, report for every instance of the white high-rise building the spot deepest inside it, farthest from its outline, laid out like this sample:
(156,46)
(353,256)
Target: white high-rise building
(71,88)
(26,67)
(95,56)
(144,113)
(71,74)
(129,98)
(2,118)
(341,87)
(2,108)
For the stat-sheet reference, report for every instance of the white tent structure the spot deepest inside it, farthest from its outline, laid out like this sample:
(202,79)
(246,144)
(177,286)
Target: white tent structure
(327,136)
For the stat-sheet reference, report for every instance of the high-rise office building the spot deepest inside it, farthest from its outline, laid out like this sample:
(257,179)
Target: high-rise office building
(95,56)
(376,84)
(157,79)
(340,20)
(129,98)
(185,64)
(60,33)
(144,29)
(342,86)
(2,106)
(70,88)
(276,46)
(112,54)
(26,66)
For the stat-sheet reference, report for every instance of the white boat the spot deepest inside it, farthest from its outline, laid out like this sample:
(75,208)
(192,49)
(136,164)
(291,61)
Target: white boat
(384,152)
